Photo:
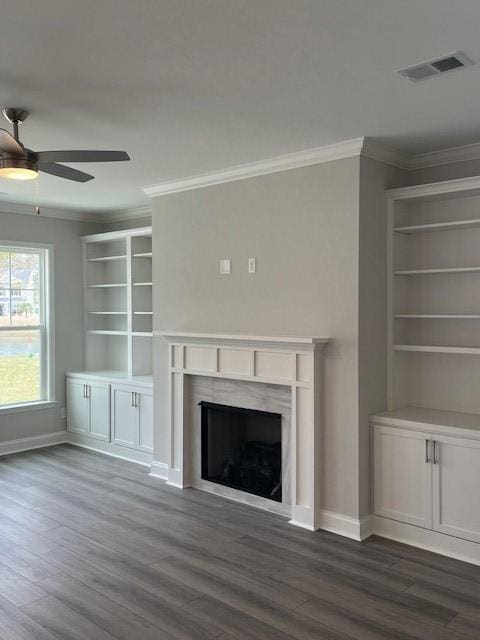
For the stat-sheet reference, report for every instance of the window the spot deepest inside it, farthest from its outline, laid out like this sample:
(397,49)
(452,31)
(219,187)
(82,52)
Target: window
(25,324)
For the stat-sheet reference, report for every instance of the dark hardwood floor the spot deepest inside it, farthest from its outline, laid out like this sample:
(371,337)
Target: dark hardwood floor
(92,548)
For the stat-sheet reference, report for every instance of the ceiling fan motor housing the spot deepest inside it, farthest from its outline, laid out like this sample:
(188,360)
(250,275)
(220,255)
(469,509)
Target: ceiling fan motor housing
(14,114)
(8,161)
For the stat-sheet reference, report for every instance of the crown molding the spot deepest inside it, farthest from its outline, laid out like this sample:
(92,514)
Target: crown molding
(72,215)
(366,147)
(126,214)
(446,156)
(317,155)
(388,155)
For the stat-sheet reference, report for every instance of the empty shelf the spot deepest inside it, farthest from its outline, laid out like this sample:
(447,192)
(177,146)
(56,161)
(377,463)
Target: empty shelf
(105,286)
(107,313)
(102,332)
(440,226)
(142,334)
(413,272)
(107,259)
(447,316)
(143,313)
(437,349)
(147,254)
(142,284)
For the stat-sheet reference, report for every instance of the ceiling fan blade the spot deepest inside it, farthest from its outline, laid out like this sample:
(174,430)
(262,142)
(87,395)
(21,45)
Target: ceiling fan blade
(64,172)
(8,144)
(82,155)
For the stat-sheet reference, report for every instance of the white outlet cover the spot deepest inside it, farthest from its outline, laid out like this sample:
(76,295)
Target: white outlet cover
(225,266)
(252,265)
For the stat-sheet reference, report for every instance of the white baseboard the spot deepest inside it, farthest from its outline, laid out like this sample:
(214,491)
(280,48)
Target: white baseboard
(33,442)
(342,525)
(426,539)
(112,450)
(159,470)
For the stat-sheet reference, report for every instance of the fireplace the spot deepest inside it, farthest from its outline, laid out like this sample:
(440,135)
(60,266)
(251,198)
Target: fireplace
(242,449)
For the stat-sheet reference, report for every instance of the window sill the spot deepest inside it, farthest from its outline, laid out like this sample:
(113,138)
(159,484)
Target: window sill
(28,406)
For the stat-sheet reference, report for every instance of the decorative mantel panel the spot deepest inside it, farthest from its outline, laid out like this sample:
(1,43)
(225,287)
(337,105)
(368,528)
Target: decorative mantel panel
(287,361)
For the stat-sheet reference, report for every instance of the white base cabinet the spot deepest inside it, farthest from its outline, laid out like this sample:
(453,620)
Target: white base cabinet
(132,417)
(88,408)
(456,487)
(120,413)
(428,479)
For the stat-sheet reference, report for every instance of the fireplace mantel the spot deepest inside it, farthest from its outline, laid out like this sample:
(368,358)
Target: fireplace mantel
(295,362)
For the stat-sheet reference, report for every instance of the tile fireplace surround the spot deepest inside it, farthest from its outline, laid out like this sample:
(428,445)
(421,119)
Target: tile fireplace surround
(282,368)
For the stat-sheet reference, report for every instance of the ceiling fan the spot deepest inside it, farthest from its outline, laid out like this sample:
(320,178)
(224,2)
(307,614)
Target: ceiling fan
(19,163)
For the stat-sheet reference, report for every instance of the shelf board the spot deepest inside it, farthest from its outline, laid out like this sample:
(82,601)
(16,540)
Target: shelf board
(107,258)
(420,416)
(142,284)
(102,332)
(143,313)
(439,226)
(446,316)
(142,334)
(147,254)
(106,286)
(107,313)
(414,272)
(437,349)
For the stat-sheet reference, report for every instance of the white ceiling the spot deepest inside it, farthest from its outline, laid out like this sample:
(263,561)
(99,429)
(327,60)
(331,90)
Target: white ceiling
(190,86)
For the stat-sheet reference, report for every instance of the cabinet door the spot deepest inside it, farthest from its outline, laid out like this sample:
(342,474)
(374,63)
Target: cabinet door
(77,406)
(456,487)
(145,419)
(99,410)
(124,416)
(403,475)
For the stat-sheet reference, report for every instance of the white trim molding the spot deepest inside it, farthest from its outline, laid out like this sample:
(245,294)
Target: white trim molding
(33,442)
(428,190)
(327,153)
(159,470)
(126,214)
(365,146)
(427,539)
(450,155)
(75,215)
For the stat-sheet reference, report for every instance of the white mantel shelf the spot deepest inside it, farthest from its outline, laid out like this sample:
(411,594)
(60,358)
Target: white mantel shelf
(290,361)
(290,341)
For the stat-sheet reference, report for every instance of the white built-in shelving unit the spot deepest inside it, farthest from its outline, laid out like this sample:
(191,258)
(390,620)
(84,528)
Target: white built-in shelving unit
(434,296)
(118,302)
(426,446)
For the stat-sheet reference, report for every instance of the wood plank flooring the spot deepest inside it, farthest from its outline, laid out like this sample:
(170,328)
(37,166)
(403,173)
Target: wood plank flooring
(92,548)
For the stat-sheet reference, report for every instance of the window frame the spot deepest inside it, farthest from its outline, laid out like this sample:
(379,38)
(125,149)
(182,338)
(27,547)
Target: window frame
(45,328)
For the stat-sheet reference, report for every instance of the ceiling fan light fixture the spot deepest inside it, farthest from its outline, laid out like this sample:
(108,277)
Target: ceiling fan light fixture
(18,173)
(14,168)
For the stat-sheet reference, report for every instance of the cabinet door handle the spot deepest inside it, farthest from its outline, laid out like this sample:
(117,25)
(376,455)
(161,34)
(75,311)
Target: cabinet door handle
(427,451)
(435,452)
(137,401)
(87,391)
(133,399)
(84,390)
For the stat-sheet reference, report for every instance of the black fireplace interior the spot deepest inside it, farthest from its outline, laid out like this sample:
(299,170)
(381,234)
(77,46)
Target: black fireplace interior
(242,449)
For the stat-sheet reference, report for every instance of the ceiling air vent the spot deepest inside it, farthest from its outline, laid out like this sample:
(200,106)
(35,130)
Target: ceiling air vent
(436,67)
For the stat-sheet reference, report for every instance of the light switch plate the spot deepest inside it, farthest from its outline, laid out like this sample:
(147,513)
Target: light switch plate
(225,266)
(252,265)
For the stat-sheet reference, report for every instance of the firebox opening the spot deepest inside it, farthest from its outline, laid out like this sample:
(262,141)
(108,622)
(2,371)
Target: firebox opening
(242,449)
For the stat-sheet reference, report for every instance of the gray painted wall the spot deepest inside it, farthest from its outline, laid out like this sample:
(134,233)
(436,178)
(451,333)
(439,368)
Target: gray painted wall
(302,226)
(65,237)
(375,177)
